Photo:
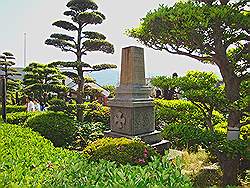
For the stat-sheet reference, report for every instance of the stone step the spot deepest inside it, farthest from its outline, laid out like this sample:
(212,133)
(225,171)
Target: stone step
(152,138)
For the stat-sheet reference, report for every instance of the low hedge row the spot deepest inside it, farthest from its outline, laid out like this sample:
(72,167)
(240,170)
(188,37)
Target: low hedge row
(19,117)
(14,108)
(92,111)
(182,112)
(29,160)
(58,127)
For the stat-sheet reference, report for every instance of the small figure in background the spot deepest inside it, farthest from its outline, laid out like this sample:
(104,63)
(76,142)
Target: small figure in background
(37,105)
(43,106)
(30,105)
(158,94)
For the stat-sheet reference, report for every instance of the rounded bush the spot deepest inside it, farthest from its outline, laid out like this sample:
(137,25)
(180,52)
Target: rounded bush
(120,150)
(57,105)
(19,117)
(55,126)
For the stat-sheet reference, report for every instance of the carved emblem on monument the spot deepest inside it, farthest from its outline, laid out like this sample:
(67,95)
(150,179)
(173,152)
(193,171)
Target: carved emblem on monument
(119,120)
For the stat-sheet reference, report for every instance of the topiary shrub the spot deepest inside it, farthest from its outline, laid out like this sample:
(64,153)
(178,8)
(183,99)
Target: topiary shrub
(120,150)
(55,126)
(95,112)
(190,138)
(60,105)
(14,108)
(181,112)
(19,117)
(57,105)
(170,111)
(87,132)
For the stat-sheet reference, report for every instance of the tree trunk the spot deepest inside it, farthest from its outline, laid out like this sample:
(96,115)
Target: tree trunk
(230,167)
(209,119)
(17,98)
(80,83)
(232,89)
(79,98)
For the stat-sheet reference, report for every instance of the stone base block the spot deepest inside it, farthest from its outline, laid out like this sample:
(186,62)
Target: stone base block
(132,121)
(153,138)
(149,138)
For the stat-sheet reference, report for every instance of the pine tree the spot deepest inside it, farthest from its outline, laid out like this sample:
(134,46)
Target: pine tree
(40,80)
(6,66)
(82,14)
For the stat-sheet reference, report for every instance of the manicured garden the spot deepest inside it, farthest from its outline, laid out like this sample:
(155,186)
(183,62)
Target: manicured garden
(54,117)
(30,160)
(82,157)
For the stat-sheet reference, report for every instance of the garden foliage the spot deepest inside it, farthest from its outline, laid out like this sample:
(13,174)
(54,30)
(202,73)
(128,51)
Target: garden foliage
(182,112)
(191,138)
(95,112)
(55,126)
(87,132)
(14,108)
(92,111)
(29,160)
(120,150)
(19,117)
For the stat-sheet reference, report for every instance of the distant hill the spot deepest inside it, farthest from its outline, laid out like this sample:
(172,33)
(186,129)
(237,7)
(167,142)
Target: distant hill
(106,77)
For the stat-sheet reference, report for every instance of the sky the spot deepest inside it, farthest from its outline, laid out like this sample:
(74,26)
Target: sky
(35,17)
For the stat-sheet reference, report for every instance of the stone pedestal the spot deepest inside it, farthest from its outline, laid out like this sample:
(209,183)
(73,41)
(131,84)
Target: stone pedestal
(132,112)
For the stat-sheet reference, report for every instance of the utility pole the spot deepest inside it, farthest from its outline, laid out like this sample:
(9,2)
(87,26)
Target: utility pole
(3,93)
(25,50)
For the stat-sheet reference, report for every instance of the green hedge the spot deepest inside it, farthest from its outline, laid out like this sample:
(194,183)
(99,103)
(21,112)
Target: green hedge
(120,150)
(182,112)
(29,160)
(95,112)
(190,138)
(87,132)
(14,108)
(92,111)
(19,117)
(58,127)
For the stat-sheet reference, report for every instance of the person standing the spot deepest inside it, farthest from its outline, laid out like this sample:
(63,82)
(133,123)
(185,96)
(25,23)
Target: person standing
(30,105)
(37,105)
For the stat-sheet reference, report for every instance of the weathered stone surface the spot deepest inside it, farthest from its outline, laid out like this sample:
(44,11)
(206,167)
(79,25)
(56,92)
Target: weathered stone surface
(132,120)
(150,138)
(132,112)
(133,68)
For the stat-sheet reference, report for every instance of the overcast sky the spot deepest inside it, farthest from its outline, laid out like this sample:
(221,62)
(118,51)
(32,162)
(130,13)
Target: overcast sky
(35,17)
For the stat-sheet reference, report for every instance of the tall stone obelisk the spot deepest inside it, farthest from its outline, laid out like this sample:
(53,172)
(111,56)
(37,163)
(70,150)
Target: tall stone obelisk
(132,112)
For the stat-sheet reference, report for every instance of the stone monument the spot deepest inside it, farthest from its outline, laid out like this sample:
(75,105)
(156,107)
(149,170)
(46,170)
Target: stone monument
(132,112)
